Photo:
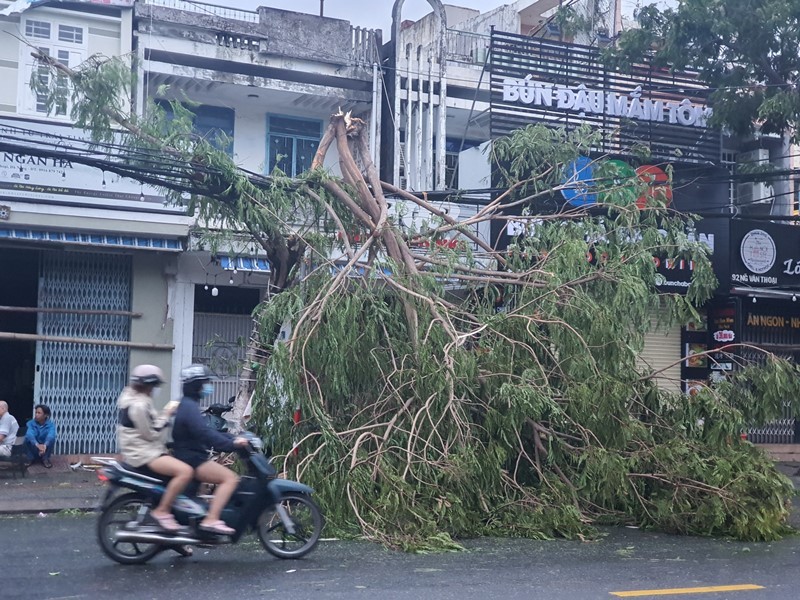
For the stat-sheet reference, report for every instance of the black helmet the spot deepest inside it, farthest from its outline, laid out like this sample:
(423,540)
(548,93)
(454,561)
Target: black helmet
(147,375)
(196,372)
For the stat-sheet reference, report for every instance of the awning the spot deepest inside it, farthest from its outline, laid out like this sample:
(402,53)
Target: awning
(244,263)
(93,239)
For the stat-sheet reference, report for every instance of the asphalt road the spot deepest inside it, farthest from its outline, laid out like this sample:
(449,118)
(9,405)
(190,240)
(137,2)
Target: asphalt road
(56,556)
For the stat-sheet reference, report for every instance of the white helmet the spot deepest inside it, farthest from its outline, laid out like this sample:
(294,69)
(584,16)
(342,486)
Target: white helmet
(147,375)
(196,372)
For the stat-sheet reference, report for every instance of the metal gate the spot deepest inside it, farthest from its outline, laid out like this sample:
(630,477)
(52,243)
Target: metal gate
(781,431)
(220,341)
(80,382)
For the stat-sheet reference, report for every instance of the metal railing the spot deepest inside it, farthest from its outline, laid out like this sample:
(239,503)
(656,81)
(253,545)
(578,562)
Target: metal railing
(225,12)
(467,47)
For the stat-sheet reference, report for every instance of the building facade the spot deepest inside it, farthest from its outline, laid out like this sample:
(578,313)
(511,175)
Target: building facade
(100,272)
(86,256)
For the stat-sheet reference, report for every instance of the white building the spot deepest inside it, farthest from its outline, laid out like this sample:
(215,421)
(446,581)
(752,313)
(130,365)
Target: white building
(87,255)
(270,79)
(84,255)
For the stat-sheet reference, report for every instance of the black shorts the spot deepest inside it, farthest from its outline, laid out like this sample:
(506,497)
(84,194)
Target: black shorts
(193,460)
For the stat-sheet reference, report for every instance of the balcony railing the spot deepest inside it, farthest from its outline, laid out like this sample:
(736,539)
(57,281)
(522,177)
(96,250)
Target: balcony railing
(364,42)
(225,12)
(467,47)
(365,45)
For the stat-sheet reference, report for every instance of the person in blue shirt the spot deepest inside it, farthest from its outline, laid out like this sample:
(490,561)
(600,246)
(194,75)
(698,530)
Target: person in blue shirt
(192,438)
(40,436)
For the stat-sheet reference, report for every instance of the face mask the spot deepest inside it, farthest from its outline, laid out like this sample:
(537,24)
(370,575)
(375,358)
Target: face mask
(155,393)
(207,390)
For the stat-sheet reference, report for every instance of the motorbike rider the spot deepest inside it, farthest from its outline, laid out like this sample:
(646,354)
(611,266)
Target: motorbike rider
(192,438)
(142,436)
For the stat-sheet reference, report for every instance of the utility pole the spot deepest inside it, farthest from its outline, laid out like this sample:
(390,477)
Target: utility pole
(321,8)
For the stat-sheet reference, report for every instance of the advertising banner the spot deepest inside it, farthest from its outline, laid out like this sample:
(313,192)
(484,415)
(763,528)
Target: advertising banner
(764,254)
(61,180)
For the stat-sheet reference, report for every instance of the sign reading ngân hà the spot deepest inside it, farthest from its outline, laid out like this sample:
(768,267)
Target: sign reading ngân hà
(599,102)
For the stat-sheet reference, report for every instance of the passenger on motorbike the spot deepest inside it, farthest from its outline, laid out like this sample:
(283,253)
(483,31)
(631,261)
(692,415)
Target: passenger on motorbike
(142,436)
(192,439)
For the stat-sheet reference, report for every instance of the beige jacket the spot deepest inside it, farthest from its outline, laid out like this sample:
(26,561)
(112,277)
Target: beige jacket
(142,432)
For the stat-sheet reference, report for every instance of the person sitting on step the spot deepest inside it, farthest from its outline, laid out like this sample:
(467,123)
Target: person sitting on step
(8,430)
(40,437)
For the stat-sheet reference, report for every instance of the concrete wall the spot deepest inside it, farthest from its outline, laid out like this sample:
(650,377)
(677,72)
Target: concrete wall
(306,36)
(150,287)
(9,63)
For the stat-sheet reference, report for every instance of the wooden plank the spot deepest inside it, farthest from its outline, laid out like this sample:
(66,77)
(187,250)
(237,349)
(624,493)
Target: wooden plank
(72,311)
(29,337)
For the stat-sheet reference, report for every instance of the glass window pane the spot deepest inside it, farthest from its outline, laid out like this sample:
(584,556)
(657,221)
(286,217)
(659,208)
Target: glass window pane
(291,126)
(305,154)
(215,124)
(281,152)
(68,33)
(37,29)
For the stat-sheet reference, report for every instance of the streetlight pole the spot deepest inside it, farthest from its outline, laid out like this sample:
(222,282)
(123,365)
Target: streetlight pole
(321,8)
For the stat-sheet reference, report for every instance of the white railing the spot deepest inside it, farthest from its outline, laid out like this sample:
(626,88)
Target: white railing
(467,47)
(365,45)
(225,12)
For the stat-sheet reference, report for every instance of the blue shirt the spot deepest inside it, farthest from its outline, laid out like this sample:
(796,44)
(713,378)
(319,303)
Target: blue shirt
(41,434)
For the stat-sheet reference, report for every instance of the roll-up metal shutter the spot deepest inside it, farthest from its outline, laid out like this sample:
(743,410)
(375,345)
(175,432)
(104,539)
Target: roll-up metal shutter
(662,352)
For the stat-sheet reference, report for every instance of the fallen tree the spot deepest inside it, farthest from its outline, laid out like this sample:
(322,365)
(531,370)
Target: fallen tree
(461,391)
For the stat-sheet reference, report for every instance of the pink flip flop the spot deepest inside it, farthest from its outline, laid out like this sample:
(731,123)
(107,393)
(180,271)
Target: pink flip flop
(217,527)
(166,522)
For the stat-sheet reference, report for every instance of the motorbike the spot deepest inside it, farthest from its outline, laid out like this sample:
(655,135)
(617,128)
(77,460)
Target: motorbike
(213,414)
(282,513)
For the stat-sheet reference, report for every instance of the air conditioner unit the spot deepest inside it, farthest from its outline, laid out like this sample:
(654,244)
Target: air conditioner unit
(750,192)
(753,193)
(759,156)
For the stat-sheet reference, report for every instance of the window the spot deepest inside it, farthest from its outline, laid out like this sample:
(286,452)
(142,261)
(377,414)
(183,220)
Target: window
(70,34)
(213,123)
(37,29)
(65,43)
(452,149)
(291,144)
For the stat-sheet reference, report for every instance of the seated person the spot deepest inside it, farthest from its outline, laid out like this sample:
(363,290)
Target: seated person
(192,438)
(40,436)
(8,430)
(142,437)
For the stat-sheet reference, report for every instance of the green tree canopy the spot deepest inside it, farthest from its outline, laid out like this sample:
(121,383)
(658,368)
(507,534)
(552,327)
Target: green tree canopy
(745,50)
(461,391)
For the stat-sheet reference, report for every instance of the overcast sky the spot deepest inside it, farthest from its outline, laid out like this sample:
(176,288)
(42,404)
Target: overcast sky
(374,14)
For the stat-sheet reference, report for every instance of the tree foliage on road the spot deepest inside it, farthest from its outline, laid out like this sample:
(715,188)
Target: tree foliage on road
(449,390)
(745,51)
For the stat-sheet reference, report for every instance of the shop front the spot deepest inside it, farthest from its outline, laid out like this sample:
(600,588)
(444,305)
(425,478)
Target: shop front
(756,309)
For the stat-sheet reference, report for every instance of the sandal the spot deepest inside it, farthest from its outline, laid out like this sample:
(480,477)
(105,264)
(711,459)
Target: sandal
(217,527)
(166,522)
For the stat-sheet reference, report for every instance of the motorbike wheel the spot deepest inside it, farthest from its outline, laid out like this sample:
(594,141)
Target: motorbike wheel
(308,522)
(114,517)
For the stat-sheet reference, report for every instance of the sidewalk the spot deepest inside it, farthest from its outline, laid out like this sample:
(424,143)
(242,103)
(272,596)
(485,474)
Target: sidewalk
(61,488)
(50,490)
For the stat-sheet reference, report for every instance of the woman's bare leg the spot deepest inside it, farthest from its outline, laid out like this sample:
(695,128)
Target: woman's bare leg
(226,480)
(181,474)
